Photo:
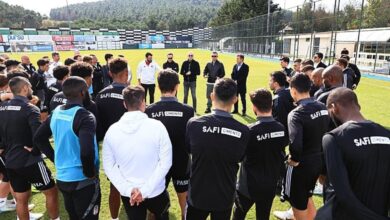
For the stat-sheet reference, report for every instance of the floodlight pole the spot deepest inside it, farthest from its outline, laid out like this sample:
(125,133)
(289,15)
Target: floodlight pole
(360,27)
(268,21)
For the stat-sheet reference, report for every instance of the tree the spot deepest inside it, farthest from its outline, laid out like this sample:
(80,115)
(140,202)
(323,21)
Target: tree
(237,10)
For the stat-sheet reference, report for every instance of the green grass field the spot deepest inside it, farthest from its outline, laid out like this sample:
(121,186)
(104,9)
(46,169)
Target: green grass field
(374,97)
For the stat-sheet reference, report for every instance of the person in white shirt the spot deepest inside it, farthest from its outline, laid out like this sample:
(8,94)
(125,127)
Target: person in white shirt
(50,79)
(137,162)
(146,74)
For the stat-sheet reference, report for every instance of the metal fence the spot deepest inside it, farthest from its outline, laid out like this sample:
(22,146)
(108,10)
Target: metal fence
(326,26)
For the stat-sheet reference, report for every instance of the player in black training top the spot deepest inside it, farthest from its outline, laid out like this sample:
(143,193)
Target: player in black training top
(83,70)
(263,160)
(282,103)
(357,157)
(110,106)
(307,123)
(61,73)
(174,116)
(19,120)
(217,143)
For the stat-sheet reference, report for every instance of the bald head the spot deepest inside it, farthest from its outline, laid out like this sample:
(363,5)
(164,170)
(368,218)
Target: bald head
(25,59)
(316,76)
(343,97)
(332,76)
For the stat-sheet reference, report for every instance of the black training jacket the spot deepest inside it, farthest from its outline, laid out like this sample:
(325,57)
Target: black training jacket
(217,143)
(19,120)
(357,158)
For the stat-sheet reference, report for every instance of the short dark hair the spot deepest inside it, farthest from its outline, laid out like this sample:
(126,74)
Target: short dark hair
(307,68)
(59,72)
(167,80)
(301,82)
(262,100)
(225,89)
(54,54)
(241,55)
(320,55)
(117,65)
(87,59)
(133,96)
(16,84)
(170,53)
(343,96)
(42,62)
(346,57)
(343,62)
(73,87)
(345,51)
(17,72)
(77,56)
(148,54)
(3,80)
(69,61)
(81,69)
(298,60)
(279,77)
(285,59)
(108,56)
(308,62)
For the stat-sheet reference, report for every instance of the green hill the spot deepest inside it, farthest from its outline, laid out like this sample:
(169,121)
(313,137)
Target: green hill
(136,14)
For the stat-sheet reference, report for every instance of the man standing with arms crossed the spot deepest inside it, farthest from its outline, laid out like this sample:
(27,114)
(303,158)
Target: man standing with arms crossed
(239,75)
(171,64)
(217,143)
(146,72)
(307,124)
(110,107)
(190,69)
(174,116)
(19,120)
(214,70)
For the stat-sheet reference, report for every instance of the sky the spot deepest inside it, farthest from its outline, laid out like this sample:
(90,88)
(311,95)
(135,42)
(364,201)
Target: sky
(44,6)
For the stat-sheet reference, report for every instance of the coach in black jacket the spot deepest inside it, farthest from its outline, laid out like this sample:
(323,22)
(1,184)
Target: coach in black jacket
(214,70)
(239,75)
(190,69)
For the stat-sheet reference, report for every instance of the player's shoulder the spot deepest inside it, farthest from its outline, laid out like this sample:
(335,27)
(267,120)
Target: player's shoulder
(272,124)
(106,89)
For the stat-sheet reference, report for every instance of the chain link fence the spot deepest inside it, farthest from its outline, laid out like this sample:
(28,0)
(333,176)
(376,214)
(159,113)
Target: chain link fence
(326,26)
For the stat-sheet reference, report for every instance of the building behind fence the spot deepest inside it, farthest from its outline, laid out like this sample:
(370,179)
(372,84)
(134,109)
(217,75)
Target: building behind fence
(295,34)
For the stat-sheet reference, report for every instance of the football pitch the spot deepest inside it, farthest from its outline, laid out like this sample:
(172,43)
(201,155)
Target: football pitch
(373,94)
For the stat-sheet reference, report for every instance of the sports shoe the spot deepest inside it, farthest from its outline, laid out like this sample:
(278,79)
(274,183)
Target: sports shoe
(318,189)
(284,215)
(34,216)
(11,206)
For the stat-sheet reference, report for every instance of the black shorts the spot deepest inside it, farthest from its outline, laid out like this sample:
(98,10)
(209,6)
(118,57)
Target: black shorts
(299,183)
(3,171)
(37,175)
(180,175)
